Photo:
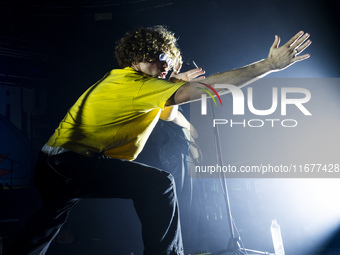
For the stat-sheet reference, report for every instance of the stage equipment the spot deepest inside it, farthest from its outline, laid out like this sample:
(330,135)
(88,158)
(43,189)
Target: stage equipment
(235,245)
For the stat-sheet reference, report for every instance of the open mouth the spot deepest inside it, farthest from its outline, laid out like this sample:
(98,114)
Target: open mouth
(163,74)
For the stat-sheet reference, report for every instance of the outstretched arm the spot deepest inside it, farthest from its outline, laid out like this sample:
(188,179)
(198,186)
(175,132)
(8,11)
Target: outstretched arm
(278,59)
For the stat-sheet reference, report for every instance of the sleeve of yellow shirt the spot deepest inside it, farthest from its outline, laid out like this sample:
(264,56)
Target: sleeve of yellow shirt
(155,92)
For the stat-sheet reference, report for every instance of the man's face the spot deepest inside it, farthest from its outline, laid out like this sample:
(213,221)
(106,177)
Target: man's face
(154,68)
(157,68)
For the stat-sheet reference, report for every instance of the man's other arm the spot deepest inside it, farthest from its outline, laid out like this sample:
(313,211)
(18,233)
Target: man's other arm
(278,59)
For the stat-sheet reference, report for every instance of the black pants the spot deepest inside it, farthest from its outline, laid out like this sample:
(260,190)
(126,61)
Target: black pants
(64,179)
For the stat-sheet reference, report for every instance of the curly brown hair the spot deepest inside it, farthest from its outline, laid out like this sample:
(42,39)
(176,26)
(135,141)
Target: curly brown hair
(145,44)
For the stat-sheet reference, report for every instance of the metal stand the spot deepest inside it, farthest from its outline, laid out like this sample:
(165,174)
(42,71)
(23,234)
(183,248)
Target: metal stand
(234,246)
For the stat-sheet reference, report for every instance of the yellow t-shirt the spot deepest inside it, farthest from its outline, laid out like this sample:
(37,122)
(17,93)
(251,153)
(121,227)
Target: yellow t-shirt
(115,116)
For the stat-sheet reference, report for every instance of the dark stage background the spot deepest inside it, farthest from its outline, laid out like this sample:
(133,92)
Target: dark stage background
(52,51)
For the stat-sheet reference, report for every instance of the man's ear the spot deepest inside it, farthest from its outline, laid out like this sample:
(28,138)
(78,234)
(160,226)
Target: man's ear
(135,66)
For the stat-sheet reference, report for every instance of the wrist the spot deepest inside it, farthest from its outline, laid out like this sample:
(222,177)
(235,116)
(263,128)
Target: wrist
(268,65)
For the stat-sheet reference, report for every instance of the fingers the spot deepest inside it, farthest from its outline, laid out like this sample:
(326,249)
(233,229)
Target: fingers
(192,74)
(196,71)
(189,75)
(303,57)
(177,68)
(294,39)
(297,43)
(198,79)
(276,42)
(302,47)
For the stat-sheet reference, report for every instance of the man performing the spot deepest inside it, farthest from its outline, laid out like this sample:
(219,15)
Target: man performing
(91,153)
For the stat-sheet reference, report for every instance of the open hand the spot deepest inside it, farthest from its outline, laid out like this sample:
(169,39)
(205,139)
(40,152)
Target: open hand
(286,55)
(191,75)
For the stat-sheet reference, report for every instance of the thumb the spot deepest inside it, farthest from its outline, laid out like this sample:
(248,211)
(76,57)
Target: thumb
(178,68)
(276,42)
